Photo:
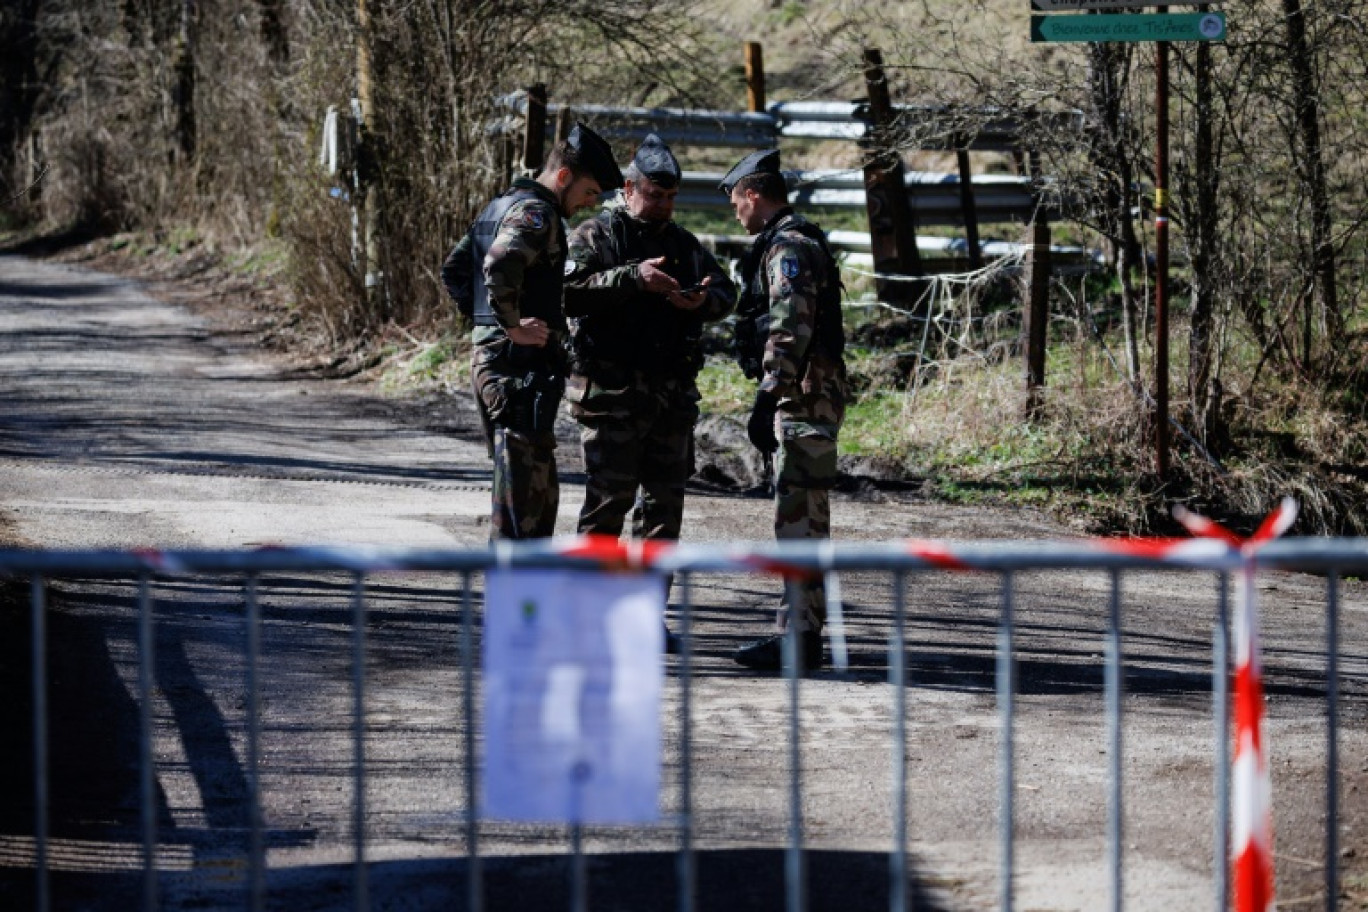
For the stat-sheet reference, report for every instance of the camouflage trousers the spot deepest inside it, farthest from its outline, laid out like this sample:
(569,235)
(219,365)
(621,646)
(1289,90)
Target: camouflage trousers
(525,493)
(804,473)
(637,436)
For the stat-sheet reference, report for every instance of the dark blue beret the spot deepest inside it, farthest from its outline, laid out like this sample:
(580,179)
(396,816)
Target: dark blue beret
(766,161)
(655,160)
(596,155)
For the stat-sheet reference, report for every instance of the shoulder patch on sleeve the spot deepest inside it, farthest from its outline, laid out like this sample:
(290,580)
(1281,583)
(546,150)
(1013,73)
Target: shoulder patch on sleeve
(788,265)
(532,218)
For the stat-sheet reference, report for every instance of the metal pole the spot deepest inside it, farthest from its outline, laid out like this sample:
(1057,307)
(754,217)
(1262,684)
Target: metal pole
(793,664)
(687,865)
(1161,255)
(147,656)
(256,860)
(1006,687)
(579,866)
(1220,697)
(1332,742)
(361,886)
(1115,674)
(474,880)
(897,681)
(42,889)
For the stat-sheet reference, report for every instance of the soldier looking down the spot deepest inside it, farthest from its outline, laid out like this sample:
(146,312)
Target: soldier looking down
(639,290)
(790,338)
(508,273)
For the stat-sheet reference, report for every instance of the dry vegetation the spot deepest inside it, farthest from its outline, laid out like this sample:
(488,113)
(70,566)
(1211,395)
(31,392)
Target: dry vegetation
(201,123)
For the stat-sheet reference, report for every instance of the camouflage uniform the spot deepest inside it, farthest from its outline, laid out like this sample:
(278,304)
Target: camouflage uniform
(804,368)
(518,388)
(634,360)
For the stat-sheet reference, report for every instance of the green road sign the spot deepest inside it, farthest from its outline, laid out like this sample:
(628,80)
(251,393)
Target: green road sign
(1130,27)
(1060,6)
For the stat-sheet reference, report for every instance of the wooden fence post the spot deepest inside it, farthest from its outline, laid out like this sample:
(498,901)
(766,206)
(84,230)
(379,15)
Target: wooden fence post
(534,134)
(892,234)
(1037,315)
(755,76)
(970,213)
(565,122)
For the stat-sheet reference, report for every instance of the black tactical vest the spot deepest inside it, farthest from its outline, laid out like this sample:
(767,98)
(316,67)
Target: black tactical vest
(648,333)
(542,282)
(753,308)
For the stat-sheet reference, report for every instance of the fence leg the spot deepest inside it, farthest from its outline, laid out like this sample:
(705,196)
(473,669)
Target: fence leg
(1332,742)
(42,889)
(1220,698)
(897,680)
(256,861)
(793,662)
(361,885)
(1006,688)
(474,880)
(688,873)
(147,659)
(1115,674)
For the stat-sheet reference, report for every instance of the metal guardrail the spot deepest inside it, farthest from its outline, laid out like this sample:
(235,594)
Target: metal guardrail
(930,127)
(899,559)
(935,196)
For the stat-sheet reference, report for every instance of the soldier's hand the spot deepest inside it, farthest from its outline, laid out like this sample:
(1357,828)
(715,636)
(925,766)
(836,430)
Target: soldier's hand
(654,279)
(532,331)
(690,300)
(760,427)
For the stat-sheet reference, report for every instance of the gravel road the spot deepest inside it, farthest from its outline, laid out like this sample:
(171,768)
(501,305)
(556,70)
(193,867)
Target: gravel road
(127,421)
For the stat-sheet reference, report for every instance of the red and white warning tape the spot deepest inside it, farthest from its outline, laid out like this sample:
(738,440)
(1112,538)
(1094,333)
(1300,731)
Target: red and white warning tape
(1252,790)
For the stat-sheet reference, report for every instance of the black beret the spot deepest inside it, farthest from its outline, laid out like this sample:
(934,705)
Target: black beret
(655,160)
(766,161)
(596,156)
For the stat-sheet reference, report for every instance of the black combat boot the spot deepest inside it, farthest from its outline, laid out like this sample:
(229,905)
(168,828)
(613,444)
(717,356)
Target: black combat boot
(768,654)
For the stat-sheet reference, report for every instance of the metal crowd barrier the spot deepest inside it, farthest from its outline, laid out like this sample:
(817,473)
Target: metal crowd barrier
(1332,557)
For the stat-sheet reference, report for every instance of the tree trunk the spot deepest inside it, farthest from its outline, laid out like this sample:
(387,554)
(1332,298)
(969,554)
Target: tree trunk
(183,93)
(1311,173)
(1202,237)
(19,85)
(273,33)
(1108,69)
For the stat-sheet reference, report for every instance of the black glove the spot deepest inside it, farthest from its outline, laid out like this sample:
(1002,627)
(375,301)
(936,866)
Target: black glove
(760,427)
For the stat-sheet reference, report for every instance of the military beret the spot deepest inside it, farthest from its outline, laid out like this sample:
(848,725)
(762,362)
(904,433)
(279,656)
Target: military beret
(655,160)
(596,156)
(766,161)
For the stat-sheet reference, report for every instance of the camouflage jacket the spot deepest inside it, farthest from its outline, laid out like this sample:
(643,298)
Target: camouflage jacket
(616,324)
(808,378)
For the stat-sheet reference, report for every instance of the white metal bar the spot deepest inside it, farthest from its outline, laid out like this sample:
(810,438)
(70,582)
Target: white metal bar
(147,663)
(1006,690)
(897,681)
(1115,682)
(361,886)
(474,874)
(256,849)
(38,606)
(687,863)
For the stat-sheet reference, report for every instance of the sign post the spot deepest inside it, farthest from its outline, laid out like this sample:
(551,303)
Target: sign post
(1160,27)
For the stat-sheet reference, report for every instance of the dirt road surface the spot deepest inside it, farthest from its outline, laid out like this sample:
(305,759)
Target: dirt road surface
(129,422)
